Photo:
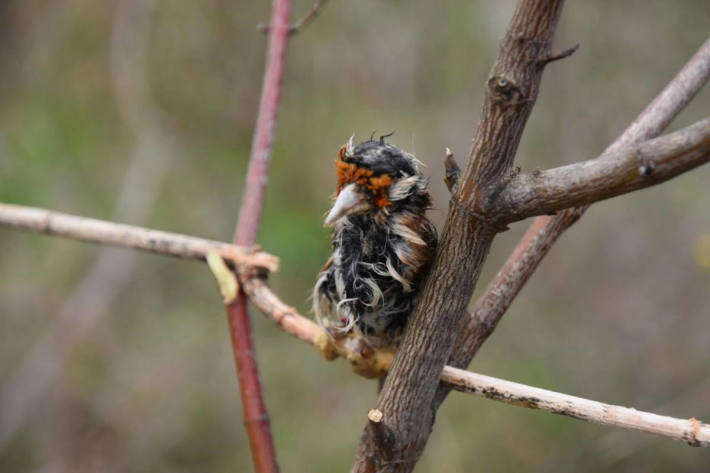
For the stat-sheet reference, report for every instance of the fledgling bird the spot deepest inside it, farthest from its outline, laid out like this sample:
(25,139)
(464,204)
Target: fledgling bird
(383,243)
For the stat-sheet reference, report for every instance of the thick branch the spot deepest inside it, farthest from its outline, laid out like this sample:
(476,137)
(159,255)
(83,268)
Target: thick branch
(128,236)
(614,173)
(406,397)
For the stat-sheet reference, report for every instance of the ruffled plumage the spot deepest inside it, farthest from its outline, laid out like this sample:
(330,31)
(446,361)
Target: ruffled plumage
(381,250)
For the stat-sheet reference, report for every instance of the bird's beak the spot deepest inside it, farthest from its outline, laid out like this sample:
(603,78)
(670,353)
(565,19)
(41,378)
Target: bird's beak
(349,201)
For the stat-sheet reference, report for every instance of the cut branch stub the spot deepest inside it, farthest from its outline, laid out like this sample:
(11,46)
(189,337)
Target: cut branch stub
(452,171)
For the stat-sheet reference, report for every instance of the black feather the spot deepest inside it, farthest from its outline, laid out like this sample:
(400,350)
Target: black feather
(381,256)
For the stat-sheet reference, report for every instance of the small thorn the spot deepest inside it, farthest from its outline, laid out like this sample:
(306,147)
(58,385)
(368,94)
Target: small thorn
(452,171)
(561,55)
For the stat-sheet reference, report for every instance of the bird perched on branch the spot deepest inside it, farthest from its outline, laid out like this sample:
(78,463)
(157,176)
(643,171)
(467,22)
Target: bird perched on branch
(383,243)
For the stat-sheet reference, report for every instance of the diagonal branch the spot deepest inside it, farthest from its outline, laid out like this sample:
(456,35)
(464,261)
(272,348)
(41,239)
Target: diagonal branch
(614,173)
(501,291)
(545,230)
(302,22)
(670,102)
(405,400)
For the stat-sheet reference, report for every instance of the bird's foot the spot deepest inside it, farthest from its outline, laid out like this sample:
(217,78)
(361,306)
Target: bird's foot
(367,361)
(326,344)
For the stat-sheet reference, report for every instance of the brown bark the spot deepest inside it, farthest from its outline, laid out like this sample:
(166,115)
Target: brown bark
(545,230)
(614,173)
(485,315)
(396,442)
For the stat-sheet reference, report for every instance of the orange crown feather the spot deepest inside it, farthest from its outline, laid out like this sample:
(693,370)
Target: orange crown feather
(351,173)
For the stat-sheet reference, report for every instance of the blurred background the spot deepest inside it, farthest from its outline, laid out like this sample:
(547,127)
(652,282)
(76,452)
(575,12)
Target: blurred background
(142,111)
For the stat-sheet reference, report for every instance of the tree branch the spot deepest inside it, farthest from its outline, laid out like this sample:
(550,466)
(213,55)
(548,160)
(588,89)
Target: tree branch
(374,363)
(670,102)
(614,173)
(545,230)
(501,291)
(409,389)
(302,22)
(692,431)
(256,418)
(128,236)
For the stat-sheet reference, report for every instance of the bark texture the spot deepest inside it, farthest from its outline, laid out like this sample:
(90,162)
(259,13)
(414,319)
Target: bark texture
(617,172)
(395,443)
(545,230)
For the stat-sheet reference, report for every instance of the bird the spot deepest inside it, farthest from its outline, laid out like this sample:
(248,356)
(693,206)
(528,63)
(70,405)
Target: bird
(382,244)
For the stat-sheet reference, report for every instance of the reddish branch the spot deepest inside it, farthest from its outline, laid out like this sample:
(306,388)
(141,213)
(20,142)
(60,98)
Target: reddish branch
(256,418)
(545,230)
(301,23)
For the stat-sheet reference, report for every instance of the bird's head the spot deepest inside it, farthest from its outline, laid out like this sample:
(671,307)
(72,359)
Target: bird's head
(377,178)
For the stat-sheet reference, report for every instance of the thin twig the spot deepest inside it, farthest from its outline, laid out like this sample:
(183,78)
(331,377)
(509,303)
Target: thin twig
(129,236)
(301,23)
(256,418)
(670,102)
(561,55)
(692,432)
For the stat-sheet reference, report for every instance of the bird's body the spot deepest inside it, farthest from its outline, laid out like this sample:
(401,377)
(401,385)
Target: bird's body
(383,243)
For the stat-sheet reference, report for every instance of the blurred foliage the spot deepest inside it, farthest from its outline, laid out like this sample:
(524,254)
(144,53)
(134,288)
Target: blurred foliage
(618,312)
